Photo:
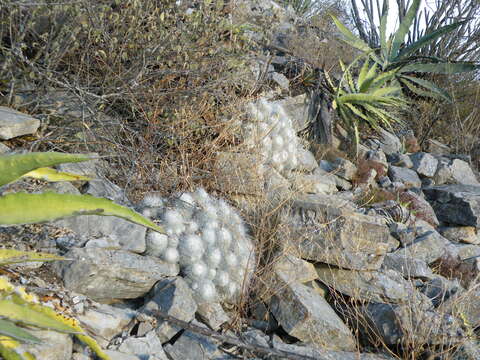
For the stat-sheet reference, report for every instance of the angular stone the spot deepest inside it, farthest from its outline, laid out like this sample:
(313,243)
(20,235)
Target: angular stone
(106,275)
(461,234)
(144,347)
(424,164)
(174,298)
(439,289)
(389,143)
(322,229)
(437,148)
(14,123)
(4,149)
(304,314)
(428,246)
(212,314)
(469,350)
(403,324)
(456,204)
(117,355)
(407,266)
(344,168)
(239,173)
(418,206)
(105,322)
(54,346)
(306,160)
(314,183)
(466,306)
(193,346)
(405,176)
(387,286)
(455,172)
(403,233)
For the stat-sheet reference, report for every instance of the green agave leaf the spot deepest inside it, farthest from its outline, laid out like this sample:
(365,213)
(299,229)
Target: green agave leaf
(388,90)
(369,98)
(369,79)
(387,118)
(363,74)
(435,91)
(11,256)
(23,208)
(403,29)
(10,329)
(28,315)
(441,68)
(351,39)
(12,167)
(52,175)
(8,350)
(383,31)
(409,50)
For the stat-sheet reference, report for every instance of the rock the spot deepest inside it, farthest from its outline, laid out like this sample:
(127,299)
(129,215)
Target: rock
(280,79)
(408,325)
(90,168)
(239,173)
(455,172)
(468,350)
(306,160)
(212,314)
(324,354)
(106,275)
(14,123)
(54,346)
(461,234)
(314,183)
(304,314)
(387,286)
(193,346)
(344,168)
(428,246)
(291,269)
(105,322)
(144,347)
(456,204)
(117,355)
(409,141)
(418,206)
(174,298)
(424,164)
(466,306)
(407,266)
(405,176)
(439,289)
(4,149)
(403,233)
(320,230)
(389,143)
(437,148)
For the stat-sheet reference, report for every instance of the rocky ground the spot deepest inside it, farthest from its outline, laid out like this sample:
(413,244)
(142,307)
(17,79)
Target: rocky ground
(371,259)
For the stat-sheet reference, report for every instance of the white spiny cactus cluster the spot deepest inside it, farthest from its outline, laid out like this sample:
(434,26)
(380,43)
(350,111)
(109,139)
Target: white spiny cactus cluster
(272,130)
(207,238)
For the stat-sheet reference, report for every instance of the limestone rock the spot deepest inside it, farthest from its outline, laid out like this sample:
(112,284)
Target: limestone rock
(387,286)
(144,347)
(407,266)
(455,172)
(14,123)
(54,346)
(172,297)
(405,176)
(212,314)
(319,229)
(344,168)
(456,204)
(424,164)
(461,234)
(105,275)
(389,143)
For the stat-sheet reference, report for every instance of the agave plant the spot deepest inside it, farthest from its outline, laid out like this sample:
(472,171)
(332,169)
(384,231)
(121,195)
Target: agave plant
(401,56)
(18,308)
(370,98)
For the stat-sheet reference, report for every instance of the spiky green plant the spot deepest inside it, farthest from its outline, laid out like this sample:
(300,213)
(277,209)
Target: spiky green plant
(397,54)
(369,98)
(18,308)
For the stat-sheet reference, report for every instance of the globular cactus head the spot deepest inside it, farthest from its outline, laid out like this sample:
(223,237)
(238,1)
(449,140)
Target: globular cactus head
(207,238)
(272,131)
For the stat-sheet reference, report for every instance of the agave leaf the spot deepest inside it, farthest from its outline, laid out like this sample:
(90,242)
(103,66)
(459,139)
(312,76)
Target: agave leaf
(28,314)
(52,175)
(407,51)
(386,117)
(12,167)
(403,29)
(358,112)
(440,68)
(383,31)
(369,79)
(8,328)
(363,74)
(11,256)
(382,79)
(23,208)
(388,90)
(435,91)
(10,349)
(351,39)
(362,98)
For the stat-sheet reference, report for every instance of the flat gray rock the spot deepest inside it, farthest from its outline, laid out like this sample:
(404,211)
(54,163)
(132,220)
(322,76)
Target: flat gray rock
(455,172)
(387,286)
(407,266)
(106,275)
(407,177)
(144,347)
(424,164)
(54,346)
(428,246)
(14,123)
(326,229)
(455,204)
(173,297)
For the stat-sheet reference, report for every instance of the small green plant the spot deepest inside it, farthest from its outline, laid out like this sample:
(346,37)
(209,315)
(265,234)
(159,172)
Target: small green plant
(399,55)
(17,307)
(370,98)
